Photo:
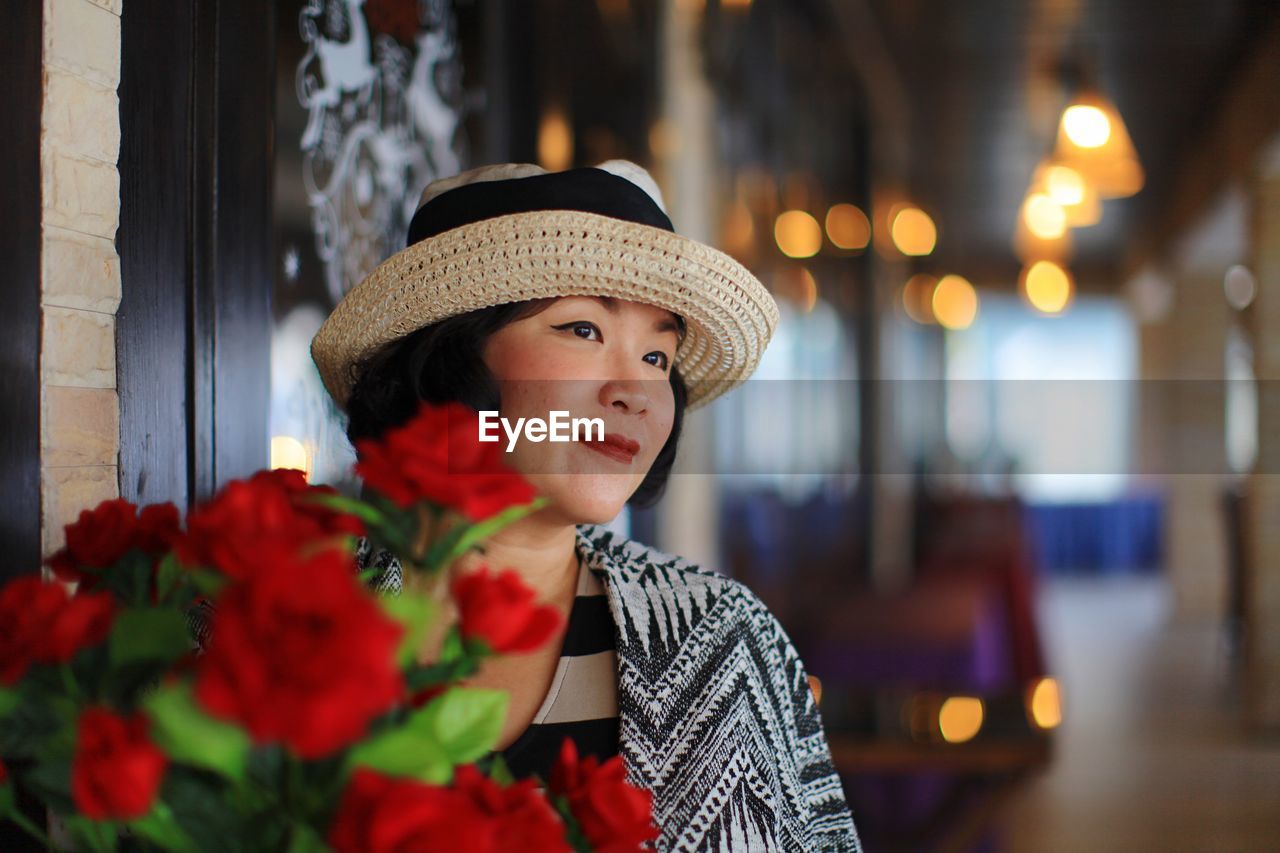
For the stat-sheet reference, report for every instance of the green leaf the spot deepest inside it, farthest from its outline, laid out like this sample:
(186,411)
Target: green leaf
(10,699)
(129,578)
(466,721)
(366,512)
(188,735)
(415,613)
(476,533)
(412,751)
(148,634)
(169,576)
(95,835)
(160,825)
(208,581)
(499,771)
(304,839)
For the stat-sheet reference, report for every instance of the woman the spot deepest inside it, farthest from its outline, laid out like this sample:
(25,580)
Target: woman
(526,293)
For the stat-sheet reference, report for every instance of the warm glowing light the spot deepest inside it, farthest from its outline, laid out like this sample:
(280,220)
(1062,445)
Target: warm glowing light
(913,232)
(848,227)
(1044,216)
(1093,140)
(960,718)
(954,302)
(1086,125)
(1044,703)
(1047,287)
(555,142)
(288,452)
(798,285)
(1030,248)
(735,4)
(1066,186)
(798,234)
(917,298)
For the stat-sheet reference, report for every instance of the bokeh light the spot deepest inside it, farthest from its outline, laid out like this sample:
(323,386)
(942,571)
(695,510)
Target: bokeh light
(960,718)
(289,452)
(1047,286)
(1044,216)
(955,302)
(1240,287)
(848,227)
(1086,125)
(914,232)
(1044,703)
(555,141)
(917,298)
(798,234)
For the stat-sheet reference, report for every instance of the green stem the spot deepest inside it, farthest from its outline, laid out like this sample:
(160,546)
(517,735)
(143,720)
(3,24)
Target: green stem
(31,829)
(69,681)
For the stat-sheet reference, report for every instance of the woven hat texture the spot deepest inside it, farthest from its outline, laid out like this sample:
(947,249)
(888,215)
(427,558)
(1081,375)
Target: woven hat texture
(729,315)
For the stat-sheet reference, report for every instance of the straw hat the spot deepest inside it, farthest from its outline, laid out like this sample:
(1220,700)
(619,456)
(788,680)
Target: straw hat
(514,231)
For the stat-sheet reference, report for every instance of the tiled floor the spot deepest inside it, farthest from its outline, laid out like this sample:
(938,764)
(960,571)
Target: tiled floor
(1150,756)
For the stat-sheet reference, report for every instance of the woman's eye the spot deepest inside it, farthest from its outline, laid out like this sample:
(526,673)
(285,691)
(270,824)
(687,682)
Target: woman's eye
(662,361)
(578,327)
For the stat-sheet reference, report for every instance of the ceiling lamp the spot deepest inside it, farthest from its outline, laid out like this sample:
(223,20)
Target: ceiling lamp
(1043,216)
(1030,248)
(1093,140)
(1047,286)
(1070,190)
(913,232)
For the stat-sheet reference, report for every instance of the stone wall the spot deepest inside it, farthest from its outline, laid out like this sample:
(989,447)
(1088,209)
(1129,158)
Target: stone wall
(80,270)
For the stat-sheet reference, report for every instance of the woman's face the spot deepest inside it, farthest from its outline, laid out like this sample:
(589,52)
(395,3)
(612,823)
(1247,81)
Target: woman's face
(593,357)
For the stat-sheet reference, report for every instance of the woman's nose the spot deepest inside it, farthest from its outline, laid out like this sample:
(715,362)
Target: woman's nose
(629,394)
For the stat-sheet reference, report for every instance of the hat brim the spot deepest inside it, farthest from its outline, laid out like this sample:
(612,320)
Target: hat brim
(729,315)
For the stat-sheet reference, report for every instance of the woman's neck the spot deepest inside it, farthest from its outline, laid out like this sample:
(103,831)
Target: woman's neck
(542,550)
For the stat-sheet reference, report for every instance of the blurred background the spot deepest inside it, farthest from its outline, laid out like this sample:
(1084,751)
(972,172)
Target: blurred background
(1008,473)
(993,473)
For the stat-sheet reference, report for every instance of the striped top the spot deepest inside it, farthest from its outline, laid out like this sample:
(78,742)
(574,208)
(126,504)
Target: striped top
(582,702)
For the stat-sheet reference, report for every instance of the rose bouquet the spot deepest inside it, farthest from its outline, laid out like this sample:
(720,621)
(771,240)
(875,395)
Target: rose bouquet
(310,719)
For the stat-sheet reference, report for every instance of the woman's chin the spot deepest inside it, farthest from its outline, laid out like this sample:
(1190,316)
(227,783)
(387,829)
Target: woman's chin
(590,503)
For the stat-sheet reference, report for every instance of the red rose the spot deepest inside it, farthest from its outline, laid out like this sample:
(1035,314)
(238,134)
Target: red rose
(438,457)
(525,820)
(501,611)
(380,813)
(301,653)
(614,814)
(101,536)
(116,770)
(40,623)
(229,531)
(294,484)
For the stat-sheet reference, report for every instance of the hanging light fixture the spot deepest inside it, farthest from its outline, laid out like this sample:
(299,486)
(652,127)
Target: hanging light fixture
(1093,140)
(1070,190)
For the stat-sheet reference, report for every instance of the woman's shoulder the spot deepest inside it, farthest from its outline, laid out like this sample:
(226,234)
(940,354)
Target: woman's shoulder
(629,560)
(644,574)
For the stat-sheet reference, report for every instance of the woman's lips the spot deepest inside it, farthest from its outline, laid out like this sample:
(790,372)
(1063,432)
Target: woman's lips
(616,447)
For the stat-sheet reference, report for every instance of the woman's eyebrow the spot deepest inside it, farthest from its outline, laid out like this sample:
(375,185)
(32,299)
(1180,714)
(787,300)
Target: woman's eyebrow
(611,305)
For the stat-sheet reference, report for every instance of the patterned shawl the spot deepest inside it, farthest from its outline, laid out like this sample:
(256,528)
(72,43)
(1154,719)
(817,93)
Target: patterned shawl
(717,717)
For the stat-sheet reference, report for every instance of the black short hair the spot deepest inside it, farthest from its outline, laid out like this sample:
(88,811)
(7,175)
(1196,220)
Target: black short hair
(441,363)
